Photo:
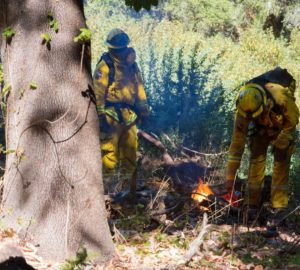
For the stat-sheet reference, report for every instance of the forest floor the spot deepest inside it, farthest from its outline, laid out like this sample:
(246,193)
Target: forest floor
(146,242)
(165,229)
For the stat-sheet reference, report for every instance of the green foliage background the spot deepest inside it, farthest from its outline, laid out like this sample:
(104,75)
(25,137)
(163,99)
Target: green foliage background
(194,54)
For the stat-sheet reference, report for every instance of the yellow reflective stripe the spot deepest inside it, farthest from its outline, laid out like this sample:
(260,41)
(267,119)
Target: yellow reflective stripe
(131,120)
(100,109)
(113,114)
(234,158)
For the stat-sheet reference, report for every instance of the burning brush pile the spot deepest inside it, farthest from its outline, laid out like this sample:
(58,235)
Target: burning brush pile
(210,197)
(177,202)
(188,188)
(163,203)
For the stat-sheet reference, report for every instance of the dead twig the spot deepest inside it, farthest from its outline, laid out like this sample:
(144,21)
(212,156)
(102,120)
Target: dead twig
(286,216)
(162,187)
(170,141)
(194,246)
(118,236)
(203,154)
(226,206)
(193,249)
(256,218)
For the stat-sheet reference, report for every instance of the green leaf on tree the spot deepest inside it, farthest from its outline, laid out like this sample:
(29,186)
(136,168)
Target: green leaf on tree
(9,151)
(50,15)
(33,85)
(4,110)
(8,33)
(6,88)
(46,38)
(2,148)
(54,26)
(1,73)
(53,23)
(84,36)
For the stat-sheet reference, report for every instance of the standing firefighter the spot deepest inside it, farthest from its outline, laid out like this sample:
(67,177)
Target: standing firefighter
(121,102)
(266,110)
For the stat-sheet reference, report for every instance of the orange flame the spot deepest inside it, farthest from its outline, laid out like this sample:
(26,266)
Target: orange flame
(201,192)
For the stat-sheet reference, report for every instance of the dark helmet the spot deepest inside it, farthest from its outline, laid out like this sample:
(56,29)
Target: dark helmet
(117,39)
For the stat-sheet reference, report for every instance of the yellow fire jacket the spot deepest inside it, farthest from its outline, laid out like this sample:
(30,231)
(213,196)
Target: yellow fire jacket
(125,97)
(278,120)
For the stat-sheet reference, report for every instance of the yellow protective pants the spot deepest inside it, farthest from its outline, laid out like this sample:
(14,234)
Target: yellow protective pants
(279,189)
(119,146)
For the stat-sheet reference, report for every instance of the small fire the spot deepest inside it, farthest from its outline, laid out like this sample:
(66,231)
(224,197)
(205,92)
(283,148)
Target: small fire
(202,192)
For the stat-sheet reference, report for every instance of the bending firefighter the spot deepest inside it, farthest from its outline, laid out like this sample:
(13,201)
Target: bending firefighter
(266,111)
(121,102)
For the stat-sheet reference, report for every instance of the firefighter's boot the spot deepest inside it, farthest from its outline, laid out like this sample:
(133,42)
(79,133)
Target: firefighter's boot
(275,220)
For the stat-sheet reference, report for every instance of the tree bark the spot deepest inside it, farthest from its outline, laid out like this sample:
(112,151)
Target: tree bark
(53,184)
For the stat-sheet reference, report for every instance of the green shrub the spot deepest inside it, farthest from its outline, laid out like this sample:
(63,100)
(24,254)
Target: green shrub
(194,54)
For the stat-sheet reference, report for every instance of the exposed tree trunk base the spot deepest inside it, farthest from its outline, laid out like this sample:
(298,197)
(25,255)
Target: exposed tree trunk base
(53,184)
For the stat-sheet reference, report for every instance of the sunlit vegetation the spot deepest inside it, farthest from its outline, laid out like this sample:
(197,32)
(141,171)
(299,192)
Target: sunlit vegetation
(194,55)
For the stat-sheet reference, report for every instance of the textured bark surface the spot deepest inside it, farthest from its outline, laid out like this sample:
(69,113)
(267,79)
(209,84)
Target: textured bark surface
(53,180)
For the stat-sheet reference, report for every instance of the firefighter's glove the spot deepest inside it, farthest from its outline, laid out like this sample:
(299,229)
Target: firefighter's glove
(104,126)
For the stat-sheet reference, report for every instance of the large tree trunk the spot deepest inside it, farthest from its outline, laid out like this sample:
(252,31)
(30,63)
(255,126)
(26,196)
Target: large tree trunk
(53,179)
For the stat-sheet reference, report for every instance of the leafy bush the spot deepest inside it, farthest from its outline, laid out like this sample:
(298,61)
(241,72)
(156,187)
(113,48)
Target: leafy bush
(194,54)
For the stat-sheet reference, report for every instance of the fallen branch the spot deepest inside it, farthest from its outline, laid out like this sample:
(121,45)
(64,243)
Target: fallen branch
(194,246)
(192,251)
(203,154)
(166,157)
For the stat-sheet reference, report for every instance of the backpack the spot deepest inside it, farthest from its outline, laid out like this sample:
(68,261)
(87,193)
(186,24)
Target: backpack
(109,62)
(278,76)
(111,77)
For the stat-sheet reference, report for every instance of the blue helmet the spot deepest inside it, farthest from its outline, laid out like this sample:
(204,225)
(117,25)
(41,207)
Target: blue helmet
(117,39)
